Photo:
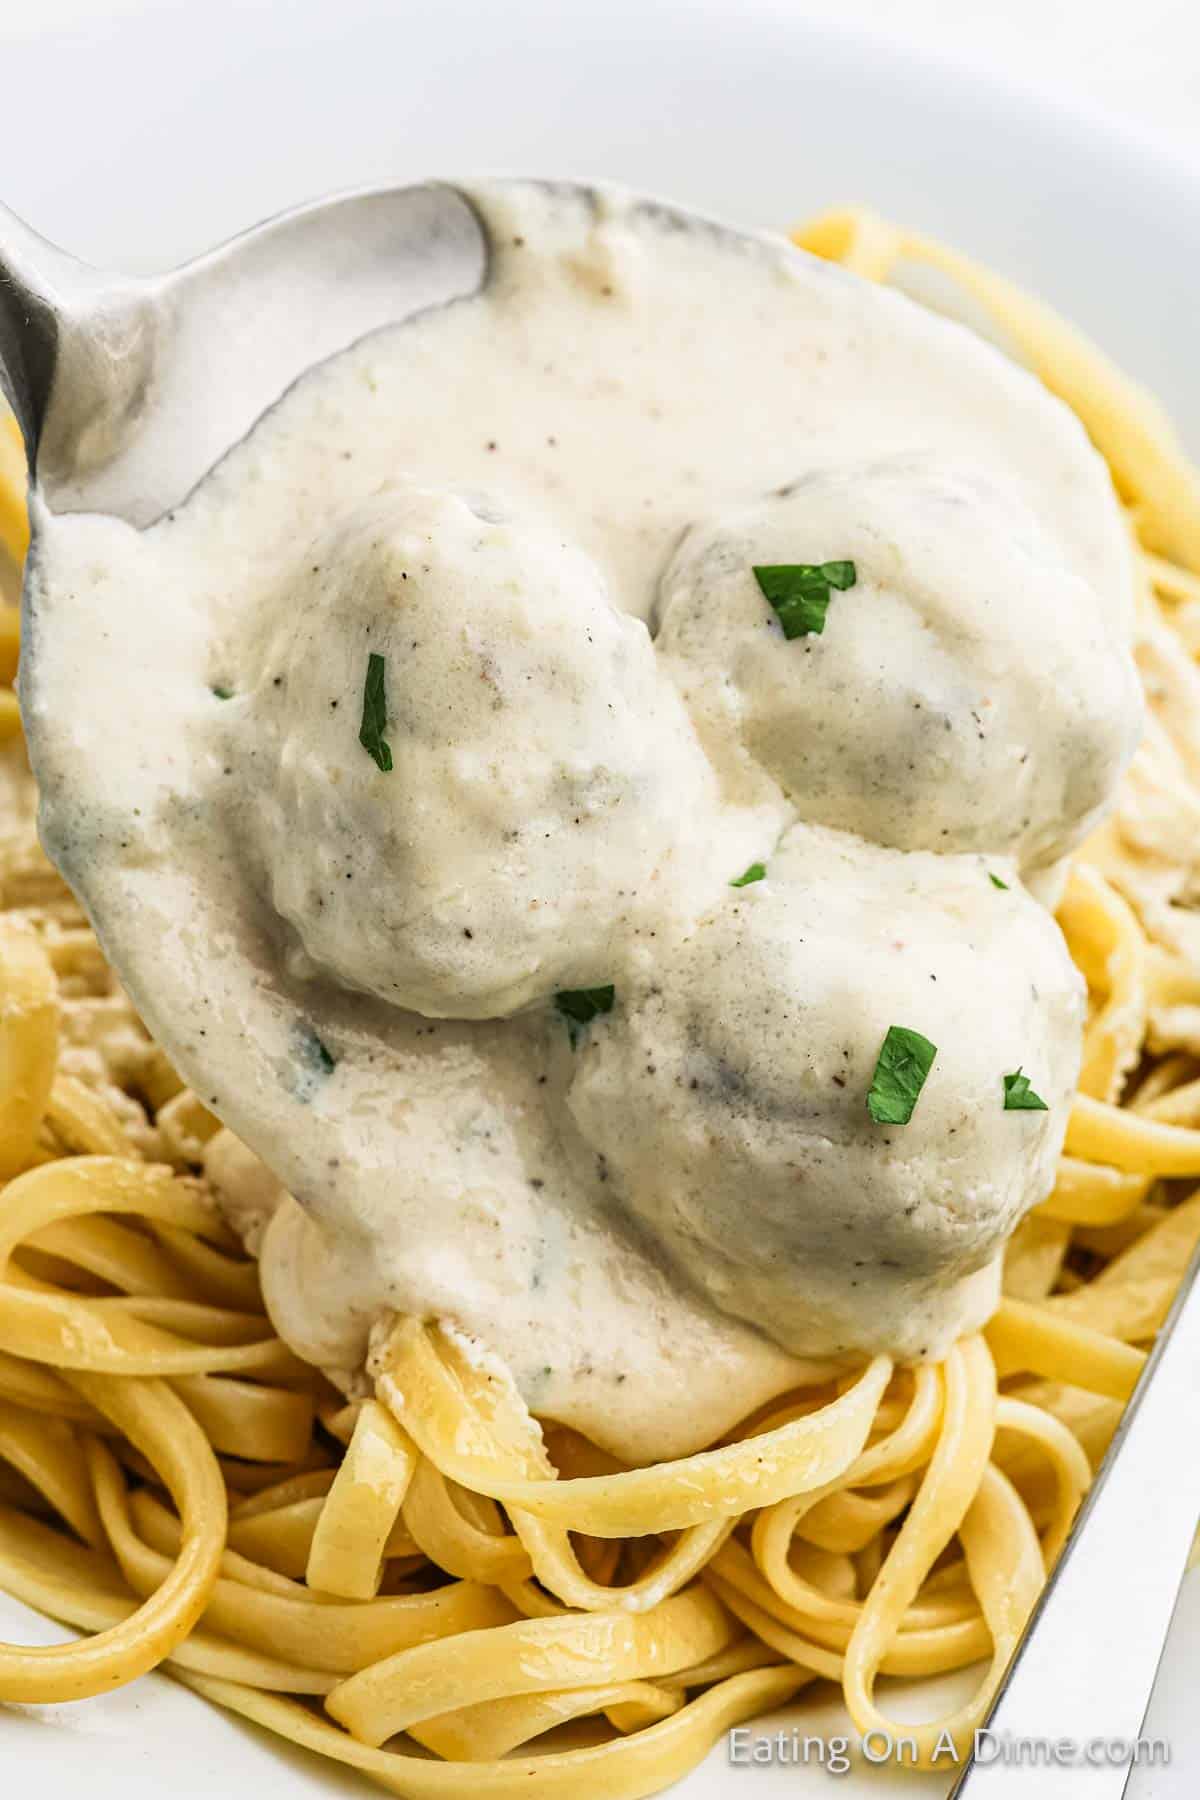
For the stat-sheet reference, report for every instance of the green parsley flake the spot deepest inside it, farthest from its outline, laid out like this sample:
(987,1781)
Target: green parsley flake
(374,714)
(579,1006)
(222,693)
(800,592)
(1020,1097)
(996,881)
(314,1062)
(756,872)
(904,1062)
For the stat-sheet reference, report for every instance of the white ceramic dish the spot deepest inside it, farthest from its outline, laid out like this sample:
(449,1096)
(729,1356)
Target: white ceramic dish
(172,126)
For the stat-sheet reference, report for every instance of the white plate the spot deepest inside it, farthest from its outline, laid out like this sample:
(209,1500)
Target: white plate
(139,132)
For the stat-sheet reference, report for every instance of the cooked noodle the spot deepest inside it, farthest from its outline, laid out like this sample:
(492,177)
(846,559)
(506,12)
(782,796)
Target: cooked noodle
(433,1567)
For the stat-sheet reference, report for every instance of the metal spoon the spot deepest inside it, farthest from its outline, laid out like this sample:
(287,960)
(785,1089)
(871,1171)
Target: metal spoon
(128,390)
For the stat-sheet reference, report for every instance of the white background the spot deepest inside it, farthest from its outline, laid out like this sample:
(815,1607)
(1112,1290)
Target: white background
(115,91)
(1139,58)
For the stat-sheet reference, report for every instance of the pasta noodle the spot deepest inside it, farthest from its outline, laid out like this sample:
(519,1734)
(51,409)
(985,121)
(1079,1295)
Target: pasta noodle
(429,1575)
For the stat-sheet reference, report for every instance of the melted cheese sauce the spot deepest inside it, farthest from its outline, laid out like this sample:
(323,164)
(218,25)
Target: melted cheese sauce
(664,1217)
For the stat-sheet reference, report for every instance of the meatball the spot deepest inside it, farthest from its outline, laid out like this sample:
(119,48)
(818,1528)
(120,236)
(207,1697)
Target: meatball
(728,1092)
(477,776)
(966,692)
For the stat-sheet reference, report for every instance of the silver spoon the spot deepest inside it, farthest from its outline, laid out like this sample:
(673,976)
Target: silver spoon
(128,390)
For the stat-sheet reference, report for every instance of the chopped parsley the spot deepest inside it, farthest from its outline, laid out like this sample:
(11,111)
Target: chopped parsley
(221,693)
(800,592)
(996,881)
(905,1060)
(579,1006)
(756,872)
(314,1062)
(374,714)
(1020,1097)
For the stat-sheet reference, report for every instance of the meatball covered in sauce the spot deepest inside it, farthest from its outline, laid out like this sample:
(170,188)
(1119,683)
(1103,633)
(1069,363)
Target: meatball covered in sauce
(966,691)
(480,776)
(728,1092)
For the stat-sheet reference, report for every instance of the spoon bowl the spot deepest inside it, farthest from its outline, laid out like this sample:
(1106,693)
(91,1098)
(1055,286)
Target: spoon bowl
(128,390)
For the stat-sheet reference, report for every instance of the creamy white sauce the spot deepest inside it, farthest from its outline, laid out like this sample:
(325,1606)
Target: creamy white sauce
(666,1223)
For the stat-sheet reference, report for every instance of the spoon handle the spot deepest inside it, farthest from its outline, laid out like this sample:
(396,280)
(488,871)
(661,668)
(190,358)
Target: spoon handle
(75,349)
(128,389)
(28,324)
